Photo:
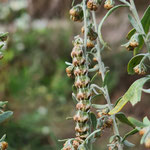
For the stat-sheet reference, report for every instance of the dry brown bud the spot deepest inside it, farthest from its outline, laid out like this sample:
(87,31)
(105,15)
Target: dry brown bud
(147,143)
(90,44)
(4,145)
(95,59)
(82,29)
(134,44)
(142,131)
(91,5)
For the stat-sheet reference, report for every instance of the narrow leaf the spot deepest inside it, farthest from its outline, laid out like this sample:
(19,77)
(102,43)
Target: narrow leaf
(141,43)
(134,23)
(128,144)
(97,106)
(3,138)
(146,91)
(93,120)
(130,33)
(132,132)
(145,22)
(133,62)
(5,116)
(137,123)
(133,95)
(121,116)
(106,78)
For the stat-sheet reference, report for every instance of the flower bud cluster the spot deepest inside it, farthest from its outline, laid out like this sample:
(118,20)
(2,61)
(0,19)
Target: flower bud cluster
(76,13)
(83,91)
(133,42)
(105,121)
(141,70)
(93,4)
(80,72)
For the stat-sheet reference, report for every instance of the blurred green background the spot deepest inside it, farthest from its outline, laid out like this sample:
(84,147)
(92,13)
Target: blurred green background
(33,78)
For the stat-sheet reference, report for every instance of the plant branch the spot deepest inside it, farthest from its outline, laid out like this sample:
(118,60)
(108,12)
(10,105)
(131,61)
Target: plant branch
(135,13)
(102,70)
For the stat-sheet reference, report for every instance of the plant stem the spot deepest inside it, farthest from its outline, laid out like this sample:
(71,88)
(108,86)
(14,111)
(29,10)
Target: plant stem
(135,13)
(102,70)
(85,31)
(85,47)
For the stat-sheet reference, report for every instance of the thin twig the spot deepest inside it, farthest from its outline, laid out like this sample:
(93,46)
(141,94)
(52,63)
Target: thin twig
(102,70)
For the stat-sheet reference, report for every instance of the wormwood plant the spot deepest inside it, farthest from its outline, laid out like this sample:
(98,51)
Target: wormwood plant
(4,115)
(87,48)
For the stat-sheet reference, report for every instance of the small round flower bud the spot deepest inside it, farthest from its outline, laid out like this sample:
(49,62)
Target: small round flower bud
(134,44)
(147,143)
(99,114)
(140,71)
(142,131)
(129,48)
(82,29)
(109,4)
(73,12)
(83,105)
(77,51)
(76,13)
(81,128)
(109,122)
(83,94)
(92,5)
(77,61)
(95,59)
(69,71)
(4,145)
(81,81)
(80,70)
(90,44)
(81,116)
(76,144)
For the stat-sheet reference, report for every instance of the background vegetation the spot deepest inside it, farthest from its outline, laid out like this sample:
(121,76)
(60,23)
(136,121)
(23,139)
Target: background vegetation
(32,73)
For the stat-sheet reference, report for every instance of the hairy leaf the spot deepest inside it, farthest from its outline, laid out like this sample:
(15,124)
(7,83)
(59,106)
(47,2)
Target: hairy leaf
(145,22)
(137,123)
(106,78)
(5,116)
(128,144)
(133,95)
(133,62)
